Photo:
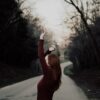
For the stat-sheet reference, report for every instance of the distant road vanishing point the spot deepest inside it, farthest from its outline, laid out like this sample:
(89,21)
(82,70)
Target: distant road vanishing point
(27,90)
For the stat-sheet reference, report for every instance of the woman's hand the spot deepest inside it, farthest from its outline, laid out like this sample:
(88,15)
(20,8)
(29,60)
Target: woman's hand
(43,30)
(52,48)
(42,36)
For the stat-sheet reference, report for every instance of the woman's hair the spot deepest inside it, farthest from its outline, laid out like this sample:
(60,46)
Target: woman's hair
(54,63)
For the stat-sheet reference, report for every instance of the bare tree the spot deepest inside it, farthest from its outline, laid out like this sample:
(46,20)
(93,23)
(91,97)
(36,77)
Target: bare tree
(90,34)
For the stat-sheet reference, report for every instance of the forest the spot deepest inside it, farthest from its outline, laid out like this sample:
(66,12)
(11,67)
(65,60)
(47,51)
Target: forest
(18,48)
(18,42)
(84,48)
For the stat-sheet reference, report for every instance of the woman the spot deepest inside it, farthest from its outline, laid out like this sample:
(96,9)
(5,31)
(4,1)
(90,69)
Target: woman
(51,79)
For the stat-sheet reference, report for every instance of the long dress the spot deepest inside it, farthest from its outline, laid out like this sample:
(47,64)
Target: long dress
(46,86)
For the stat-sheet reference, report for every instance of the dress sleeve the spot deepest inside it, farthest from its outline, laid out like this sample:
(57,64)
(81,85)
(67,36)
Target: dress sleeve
(47,52)
(42,56)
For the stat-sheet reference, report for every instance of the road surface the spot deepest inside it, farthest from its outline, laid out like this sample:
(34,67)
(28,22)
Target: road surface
(27,90)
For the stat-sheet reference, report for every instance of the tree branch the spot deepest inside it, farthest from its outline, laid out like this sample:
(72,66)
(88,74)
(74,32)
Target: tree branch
(72,2)
(90,34)
(68,2)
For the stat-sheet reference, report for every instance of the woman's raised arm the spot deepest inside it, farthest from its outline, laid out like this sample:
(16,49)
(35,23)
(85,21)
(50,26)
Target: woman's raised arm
(41,54)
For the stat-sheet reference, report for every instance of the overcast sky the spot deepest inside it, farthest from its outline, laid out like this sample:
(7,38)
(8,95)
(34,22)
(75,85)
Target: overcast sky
(52,14)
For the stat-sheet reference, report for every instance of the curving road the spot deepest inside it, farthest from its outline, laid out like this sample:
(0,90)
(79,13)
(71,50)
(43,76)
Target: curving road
(27,90)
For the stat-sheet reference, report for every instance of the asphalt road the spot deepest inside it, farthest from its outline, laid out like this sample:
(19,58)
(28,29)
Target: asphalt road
(27,90)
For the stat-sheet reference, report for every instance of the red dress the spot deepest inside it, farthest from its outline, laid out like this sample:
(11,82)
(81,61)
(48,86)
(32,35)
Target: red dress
(46,85)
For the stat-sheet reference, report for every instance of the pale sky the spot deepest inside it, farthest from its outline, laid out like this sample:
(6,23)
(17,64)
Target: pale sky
(52,14)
